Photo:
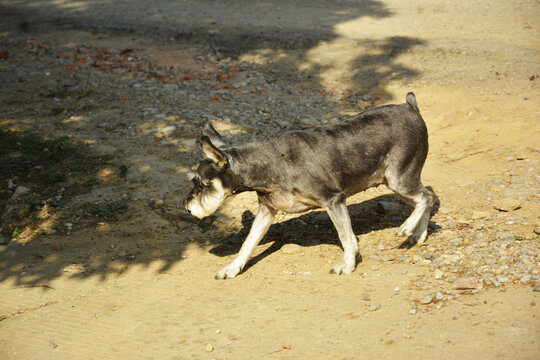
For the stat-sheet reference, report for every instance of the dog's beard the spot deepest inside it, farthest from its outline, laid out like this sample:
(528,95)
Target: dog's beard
(207,202)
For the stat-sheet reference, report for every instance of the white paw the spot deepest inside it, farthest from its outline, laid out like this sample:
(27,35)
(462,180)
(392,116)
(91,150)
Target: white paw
(406,229)
(342,268)
(229,272)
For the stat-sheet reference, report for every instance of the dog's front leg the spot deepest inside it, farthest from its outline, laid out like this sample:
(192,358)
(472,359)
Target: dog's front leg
(337,209)
(260,226)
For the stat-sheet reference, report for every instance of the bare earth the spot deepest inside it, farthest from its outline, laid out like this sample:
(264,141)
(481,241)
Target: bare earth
(101,262)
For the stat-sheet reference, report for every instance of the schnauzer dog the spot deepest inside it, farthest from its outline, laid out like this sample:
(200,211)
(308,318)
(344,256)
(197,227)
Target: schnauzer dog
(300,170)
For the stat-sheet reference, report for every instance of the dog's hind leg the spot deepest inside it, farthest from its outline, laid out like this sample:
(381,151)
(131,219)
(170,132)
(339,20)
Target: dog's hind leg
(260,226)
(337,210)
(414,192)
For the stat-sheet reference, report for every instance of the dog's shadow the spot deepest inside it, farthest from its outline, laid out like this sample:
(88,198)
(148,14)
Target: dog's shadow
(315,228)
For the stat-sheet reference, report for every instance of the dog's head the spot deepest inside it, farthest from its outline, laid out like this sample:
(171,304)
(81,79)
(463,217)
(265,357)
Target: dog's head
(213,181)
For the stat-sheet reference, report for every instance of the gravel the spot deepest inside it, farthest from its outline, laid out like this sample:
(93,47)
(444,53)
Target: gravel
(495,245)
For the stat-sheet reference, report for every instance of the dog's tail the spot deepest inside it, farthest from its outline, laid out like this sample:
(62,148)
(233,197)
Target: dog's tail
(411,100)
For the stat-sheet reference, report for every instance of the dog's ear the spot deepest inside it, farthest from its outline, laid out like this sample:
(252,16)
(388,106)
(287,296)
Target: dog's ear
(212,152)
(208,130)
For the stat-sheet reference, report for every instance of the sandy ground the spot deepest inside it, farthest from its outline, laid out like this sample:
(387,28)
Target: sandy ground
(140,284)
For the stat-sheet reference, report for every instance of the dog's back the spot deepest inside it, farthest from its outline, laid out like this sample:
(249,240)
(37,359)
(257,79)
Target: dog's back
(349,156)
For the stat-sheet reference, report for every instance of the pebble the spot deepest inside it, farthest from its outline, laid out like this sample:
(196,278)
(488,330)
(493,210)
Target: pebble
(209,348)
(507,205)
(52,345)
(380,247)
(438,274)
(419,284)
(413,311)
(366,297)
(536,287)
(19,191)
(156,203)
(439,296)
(525,279)
(480,215)
(467,282)
(291,249)
(374,307)
(396,290)
(505,235)
(427,299)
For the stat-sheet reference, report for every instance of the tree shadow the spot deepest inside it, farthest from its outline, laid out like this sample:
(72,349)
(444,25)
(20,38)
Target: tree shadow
(316,228)
(285,34)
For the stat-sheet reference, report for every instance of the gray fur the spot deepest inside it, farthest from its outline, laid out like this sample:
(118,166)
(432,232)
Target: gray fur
(299,170)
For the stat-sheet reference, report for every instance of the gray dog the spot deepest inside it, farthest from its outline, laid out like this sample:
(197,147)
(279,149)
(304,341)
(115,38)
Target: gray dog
(300,170)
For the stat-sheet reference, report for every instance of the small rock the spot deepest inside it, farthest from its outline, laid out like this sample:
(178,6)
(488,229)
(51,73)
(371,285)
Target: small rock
(20,190)
(428,299)
(156,203)
(310,122)
(439,274)
(419,284)
(480,215)
(439,296)
(291,249)
(49,232)
(507,205)
(467,282)
(374,307)
(396,290)
(366,297)
(75,268)
(287,346)
(209,348)
(413,311)
(525,279)
(505,235)
(462,222)
(536,287)
(380,247)
(52,345)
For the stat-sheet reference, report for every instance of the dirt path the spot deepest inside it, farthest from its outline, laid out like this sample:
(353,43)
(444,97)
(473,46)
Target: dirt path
(99,261)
